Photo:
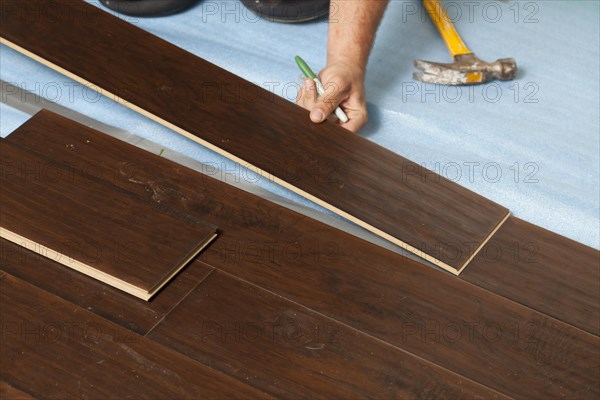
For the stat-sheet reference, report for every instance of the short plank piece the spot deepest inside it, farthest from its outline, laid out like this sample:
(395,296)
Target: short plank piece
(542,270)
(292,352)
(478,334)
(93,226)
(53,349)
(385,193)
(119,307)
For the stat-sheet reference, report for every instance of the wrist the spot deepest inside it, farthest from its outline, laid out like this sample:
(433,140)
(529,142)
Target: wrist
(352,63)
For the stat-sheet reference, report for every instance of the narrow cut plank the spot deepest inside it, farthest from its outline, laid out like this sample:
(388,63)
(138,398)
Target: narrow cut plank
(542,270)
(292,352)
(385,193)
(53,349)
(478,334)
(93,226)
(128,311)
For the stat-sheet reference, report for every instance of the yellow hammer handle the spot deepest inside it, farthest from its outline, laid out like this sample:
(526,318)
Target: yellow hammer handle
(440,18)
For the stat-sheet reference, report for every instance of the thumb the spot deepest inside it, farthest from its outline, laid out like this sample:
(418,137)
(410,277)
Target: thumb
(327,103)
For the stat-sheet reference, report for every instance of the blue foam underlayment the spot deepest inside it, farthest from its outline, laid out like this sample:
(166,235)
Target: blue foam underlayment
(531,145)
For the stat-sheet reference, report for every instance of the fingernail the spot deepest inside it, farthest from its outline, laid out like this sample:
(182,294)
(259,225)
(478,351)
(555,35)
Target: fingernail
(317,115)
(307,83)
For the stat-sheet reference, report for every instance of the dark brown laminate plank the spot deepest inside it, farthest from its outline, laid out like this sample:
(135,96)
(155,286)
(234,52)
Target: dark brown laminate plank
(382,191)
(8,392)
(53,349)
(292,352)
(91,225)
(542,270)
(128,311)
(423,311)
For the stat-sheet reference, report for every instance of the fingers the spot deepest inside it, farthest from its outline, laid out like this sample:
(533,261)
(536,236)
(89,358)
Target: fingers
(307,95)
(321,107)
(326,104)
(356,121)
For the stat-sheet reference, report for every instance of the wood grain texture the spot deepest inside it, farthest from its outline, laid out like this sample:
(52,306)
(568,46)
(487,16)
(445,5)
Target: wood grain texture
(450,322)
(88,293)
(93,226)
(53,349)
(292,352)
(379,190)
(8,392)
(542,270)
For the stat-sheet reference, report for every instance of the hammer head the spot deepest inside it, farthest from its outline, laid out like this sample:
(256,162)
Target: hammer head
(465,70)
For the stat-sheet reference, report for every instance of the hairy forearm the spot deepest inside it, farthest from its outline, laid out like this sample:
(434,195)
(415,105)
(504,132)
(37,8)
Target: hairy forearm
(352,28)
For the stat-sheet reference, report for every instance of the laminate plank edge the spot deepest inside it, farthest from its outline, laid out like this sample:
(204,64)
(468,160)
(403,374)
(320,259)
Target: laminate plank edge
(96,273)
(370,186)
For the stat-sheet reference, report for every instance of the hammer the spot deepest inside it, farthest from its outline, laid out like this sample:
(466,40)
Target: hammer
(466,69)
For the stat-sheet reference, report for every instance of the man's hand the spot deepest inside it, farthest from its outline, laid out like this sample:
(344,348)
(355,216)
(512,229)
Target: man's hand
(352,27)
(344,87)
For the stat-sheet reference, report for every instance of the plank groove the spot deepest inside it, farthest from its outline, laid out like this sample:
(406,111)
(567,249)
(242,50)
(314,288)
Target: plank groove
(359,180)
(92,226)
(53,349)
(542,270)
(433,315)
(291,352)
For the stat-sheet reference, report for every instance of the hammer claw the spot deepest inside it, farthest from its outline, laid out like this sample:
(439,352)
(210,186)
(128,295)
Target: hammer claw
(446,77)
(430,67)
(465,70)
